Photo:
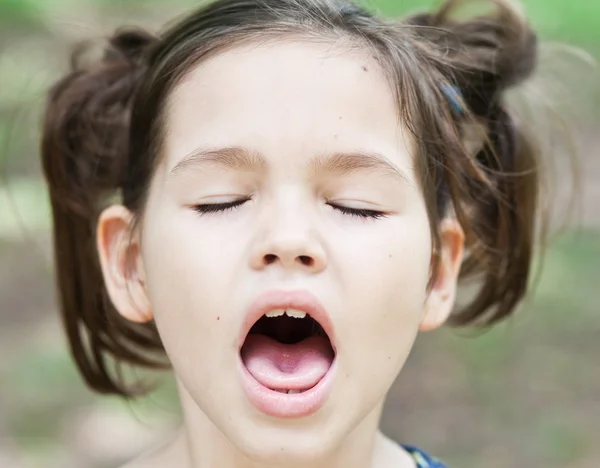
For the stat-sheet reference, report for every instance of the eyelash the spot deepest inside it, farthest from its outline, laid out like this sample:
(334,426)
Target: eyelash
(219,207)
(223,207)
(358,212)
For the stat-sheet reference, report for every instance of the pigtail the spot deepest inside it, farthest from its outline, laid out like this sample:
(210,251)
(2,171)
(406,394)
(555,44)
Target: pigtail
(487,54)
(493,190)
(501,212)
(84,155)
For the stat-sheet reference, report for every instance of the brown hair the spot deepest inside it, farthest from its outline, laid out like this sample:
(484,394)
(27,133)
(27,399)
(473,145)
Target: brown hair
(104,126)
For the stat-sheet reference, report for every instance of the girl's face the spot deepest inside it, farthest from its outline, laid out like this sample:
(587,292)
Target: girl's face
(328,219)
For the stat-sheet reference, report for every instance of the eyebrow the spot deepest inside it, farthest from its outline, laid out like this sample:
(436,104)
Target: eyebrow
(230,158)
(339,163)
(343,164)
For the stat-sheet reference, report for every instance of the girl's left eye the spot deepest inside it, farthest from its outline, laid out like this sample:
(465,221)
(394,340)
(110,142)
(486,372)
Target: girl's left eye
(219,207)
(361,213)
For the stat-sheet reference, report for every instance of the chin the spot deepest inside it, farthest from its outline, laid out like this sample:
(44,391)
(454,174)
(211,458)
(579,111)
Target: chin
(291,443)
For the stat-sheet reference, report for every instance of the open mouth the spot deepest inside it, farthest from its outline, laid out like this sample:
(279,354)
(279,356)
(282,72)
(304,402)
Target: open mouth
(287,351)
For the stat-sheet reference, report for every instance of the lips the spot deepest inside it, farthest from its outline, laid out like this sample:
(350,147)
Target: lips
(287,354)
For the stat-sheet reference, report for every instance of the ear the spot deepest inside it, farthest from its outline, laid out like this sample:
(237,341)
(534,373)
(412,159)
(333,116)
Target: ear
(442,295)
(122,267)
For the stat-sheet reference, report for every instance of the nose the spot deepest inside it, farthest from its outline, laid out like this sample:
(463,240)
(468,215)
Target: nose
(290,241)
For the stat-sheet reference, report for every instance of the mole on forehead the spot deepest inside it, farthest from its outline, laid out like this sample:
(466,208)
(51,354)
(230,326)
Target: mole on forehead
(322,49)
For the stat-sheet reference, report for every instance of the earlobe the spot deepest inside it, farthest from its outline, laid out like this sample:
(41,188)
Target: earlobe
(442,295)
(122,267)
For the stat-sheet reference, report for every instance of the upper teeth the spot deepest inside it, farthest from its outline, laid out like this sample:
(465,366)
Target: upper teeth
(289,312)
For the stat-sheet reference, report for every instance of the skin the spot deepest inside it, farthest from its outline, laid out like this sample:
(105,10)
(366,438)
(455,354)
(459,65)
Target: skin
(195,274)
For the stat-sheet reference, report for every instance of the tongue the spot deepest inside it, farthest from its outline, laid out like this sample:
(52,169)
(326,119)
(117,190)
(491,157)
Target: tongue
(280,366)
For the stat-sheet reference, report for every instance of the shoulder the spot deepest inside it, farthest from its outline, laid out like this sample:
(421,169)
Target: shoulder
(149,460)
(140,462)
(422,459)
(169,453)
(144,462)
(155,458)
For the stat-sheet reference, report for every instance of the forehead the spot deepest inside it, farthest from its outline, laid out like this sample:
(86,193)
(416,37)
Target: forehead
(288,100)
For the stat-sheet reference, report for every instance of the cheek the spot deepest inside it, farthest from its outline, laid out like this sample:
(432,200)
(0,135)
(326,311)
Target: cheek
(390,266)
(188,276)
(387,293)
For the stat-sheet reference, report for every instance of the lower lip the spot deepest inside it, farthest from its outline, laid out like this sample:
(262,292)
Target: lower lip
(283,405)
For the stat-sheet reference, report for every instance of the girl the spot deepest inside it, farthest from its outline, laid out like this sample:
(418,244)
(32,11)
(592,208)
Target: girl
(301,185)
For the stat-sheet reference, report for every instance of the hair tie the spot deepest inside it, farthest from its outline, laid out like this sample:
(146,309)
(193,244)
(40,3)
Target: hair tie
(454,97)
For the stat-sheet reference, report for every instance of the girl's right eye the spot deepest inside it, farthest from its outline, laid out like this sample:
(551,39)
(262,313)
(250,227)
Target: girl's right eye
(219,207)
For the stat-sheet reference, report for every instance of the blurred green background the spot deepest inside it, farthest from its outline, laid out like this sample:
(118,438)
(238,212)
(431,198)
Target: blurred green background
(526,393)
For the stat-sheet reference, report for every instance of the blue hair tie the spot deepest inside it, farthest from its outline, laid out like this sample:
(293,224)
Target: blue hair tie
(454,97)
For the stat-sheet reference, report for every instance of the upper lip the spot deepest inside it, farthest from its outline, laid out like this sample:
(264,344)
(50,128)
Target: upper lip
(279,299)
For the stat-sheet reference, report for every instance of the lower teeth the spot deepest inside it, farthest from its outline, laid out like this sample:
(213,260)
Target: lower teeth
(289,392)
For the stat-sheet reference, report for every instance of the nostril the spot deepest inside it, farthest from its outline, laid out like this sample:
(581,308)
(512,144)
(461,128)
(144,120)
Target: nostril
(270,258)
(306,260)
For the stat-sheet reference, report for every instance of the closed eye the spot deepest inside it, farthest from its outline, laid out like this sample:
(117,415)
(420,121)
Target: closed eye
(219,207)
(361,213)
